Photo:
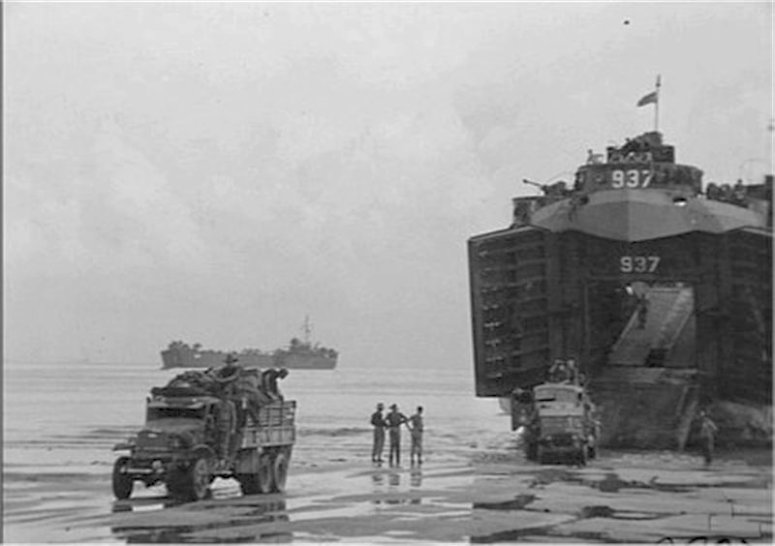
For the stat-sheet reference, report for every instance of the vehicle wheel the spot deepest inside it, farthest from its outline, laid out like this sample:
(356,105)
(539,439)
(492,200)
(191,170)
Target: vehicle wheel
(279,472)
(265,474)
(122,483)
(191,484)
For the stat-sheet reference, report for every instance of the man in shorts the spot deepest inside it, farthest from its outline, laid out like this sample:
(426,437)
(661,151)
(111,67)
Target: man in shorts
(416,428)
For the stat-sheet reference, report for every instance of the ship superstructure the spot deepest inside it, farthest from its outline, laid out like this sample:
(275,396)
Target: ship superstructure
(659,286)
(299,354)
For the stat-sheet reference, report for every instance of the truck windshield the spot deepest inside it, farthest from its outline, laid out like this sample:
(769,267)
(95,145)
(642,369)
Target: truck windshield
(165,412)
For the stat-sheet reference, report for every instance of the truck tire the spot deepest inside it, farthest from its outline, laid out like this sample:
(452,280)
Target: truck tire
(199,479)
(122,483)
(192,483)
(279,471)
(265,475)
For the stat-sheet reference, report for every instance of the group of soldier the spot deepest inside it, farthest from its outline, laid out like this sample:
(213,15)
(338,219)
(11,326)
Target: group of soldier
(245,391)
(392,422)
(242,392)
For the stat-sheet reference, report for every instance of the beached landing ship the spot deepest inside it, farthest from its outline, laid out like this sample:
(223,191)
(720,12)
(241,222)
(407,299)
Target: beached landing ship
(660,288)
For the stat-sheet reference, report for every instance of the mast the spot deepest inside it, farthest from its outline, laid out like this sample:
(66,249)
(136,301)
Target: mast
(656,105)
(307,329)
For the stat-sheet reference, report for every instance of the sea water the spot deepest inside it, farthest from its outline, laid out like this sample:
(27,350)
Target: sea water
(62,420)
(90,407)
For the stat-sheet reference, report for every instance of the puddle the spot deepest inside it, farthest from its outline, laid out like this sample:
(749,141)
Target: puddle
(239,527)
(597,512)
(517,503)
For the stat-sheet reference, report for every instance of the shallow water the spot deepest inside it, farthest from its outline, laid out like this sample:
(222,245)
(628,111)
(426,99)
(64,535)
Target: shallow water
(61,422)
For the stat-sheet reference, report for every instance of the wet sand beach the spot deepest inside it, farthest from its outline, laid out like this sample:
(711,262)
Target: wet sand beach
(492,497)
(60,423)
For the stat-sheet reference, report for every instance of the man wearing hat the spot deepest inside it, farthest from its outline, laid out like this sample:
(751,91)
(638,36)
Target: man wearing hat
(229,370)
(379,424)
(394,421)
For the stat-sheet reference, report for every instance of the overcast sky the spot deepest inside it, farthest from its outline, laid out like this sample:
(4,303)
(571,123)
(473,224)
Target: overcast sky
(215,172)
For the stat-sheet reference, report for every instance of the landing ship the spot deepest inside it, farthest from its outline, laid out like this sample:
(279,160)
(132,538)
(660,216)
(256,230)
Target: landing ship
(660,287)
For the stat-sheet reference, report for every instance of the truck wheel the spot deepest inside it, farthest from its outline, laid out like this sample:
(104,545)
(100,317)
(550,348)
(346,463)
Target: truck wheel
(122,483)
(279,472)
(192,484)
(265,474)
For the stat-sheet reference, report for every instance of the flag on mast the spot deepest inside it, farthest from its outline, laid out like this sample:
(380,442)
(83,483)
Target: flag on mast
(650,98)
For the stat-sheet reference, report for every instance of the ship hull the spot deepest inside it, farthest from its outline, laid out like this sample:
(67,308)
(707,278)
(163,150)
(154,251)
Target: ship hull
(188,358)
(562,287)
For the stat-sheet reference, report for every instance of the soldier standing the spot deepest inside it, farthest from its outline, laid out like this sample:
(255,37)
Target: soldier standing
(225,421)
(416,427)
(643,311)
(269,380)
(379,424)
(394,421)
(708,431)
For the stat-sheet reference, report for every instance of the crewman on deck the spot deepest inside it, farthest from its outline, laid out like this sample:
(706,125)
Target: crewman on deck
(394,421)
(379,424)
(643,311)
(416,428)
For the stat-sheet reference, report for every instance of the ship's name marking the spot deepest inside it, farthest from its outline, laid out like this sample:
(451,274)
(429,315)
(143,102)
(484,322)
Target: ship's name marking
(631,178)
(638,264)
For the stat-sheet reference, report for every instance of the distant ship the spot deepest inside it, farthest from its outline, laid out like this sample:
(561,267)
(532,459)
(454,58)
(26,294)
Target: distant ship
(300,354)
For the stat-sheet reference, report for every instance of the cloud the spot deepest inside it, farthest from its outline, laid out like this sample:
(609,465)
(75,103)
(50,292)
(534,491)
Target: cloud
(214,172)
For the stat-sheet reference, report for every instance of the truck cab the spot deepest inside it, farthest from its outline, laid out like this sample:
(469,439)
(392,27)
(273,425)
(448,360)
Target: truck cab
(556,416)
(563,426)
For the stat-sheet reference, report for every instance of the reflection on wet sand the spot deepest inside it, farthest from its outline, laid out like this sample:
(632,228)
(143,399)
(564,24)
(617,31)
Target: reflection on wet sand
(416,477)
(259,521)
(394,494)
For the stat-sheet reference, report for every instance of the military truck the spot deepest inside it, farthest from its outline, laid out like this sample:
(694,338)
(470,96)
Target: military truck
(184,445)
(557,418)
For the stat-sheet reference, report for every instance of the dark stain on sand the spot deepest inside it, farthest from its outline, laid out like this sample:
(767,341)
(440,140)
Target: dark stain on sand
(517,503)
